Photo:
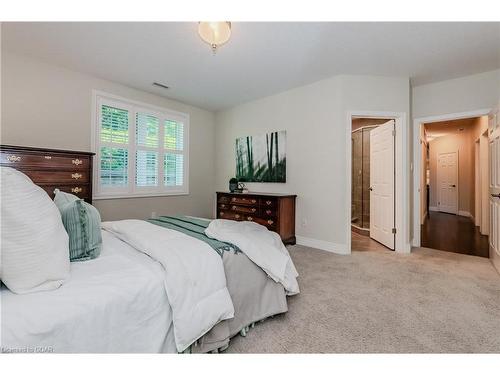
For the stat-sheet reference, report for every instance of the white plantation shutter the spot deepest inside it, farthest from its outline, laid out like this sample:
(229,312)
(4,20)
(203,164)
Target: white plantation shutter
(174,158)
(114,125)
(114,166)
(114,139)
(140,151)
(146,162)
(174,169)
(147,130)
(174,135)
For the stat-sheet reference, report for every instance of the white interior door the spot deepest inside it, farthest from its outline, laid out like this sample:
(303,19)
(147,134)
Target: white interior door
(494,185)
(447,182)
(382,184)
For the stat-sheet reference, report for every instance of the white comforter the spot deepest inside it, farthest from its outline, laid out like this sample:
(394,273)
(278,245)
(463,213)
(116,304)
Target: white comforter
(194,276)
(116,303)
(262,246)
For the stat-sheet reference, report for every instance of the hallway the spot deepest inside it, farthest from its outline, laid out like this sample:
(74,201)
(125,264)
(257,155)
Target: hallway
(453,233)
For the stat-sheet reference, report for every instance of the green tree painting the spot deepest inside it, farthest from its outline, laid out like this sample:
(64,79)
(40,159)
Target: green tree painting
(261,158)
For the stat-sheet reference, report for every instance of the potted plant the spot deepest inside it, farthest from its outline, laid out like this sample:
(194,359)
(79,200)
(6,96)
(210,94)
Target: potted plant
(233,184)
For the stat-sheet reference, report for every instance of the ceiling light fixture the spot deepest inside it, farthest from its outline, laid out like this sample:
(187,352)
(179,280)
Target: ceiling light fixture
(214,33)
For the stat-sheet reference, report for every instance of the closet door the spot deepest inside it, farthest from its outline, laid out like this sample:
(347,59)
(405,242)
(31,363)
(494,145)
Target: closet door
(494,185)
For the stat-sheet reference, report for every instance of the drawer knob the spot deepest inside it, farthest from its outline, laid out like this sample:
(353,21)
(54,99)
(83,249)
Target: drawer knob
(223,206)
(234,208)
(221,213)
(76,176)
(77,161)
(237,216)
(13,158)
(270,222)
(268,203)
(269,212)
(76,190)
(48,157)
(254,201)
(250,218)
(254,209)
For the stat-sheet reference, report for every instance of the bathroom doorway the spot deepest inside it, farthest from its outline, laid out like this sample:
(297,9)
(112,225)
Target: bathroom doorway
(372,184)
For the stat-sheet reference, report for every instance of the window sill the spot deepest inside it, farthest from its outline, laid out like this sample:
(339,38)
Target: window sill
(130,196)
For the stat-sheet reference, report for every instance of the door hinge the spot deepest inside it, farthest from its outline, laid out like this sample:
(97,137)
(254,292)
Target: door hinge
(394,133)
(393,230)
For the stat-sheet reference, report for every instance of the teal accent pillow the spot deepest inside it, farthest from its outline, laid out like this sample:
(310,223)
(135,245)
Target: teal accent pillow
(83,224)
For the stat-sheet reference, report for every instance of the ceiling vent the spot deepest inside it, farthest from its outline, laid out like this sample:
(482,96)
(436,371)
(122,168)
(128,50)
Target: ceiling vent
(161,85)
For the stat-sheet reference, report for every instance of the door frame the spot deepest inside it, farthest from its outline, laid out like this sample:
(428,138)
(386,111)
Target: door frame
(477,185)
(457,167)
(417,123)
(402,216)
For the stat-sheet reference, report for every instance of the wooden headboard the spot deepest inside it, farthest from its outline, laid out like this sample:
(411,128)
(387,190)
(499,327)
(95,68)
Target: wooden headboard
(69,171)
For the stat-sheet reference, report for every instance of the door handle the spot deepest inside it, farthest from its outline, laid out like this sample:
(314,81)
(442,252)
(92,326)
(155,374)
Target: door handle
(495,195)
(371,189)
(453,185)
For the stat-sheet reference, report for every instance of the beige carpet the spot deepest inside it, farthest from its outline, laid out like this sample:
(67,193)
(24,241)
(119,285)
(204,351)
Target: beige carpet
(380,301)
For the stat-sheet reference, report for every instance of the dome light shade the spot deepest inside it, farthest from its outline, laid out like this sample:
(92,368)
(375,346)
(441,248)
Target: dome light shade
(214,33)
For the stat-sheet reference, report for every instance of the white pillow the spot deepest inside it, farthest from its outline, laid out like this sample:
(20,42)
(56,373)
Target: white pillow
(34,244)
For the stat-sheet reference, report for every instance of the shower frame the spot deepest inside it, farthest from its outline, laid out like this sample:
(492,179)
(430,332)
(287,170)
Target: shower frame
(365,203)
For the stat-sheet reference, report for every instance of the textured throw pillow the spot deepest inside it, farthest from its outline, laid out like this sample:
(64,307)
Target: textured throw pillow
(83,224)
(34,245)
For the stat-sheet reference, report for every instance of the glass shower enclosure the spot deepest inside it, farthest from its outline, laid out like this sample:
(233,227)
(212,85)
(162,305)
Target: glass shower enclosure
(360,187)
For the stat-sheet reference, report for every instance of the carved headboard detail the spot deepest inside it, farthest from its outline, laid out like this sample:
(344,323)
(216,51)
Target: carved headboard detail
(69,171)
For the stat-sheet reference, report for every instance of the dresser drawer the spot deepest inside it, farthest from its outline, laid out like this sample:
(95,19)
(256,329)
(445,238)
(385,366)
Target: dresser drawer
(268,212)
(45,176)
(229,215)
(224,199)
(223,206)
(244,209)
(270,223)
(244,201)
(81,191)
(268,202)
(19,159)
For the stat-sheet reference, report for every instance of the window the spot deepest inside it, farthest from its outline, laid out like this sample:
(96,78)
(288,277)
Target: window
(140,150)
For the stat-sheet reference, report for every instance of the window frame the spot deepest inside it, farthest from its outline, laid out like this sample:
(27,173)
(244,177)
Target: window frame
(133,107)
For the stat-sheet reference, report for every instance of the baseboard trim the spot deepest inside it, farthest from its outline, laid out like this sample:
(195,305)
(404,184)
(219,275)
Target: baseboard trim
(323,245)
(433,208)
(465,213)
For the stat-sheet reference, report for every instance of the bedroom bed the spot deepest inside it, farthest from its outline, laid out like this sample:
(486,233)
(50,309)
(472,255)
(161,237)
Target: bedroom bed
(119,302)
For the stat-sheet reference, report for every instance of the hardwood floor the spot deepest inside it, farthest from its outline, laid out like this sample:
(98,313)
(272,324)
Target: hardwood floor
(453,233)
(365,243)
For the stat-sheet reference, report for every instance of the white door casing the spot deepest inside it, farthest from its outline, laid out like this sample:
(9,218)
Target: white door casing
(447,182)
(484,172)
(494,186)
(477,186)
(382,184)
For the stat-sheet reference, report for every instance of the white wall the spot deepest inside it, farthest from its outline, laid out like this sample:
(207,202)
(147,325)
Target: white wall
(465,94)
(315,118)
(47,106)
(478,91)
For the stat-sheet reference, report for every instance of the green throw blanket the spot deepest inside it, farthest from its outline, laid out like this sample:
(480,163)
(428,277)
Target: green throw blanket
(195,228)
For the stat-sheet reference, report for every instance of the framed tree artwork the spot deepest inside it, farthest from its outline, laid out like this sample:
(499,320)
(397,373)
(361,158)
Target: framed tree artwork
(261,158)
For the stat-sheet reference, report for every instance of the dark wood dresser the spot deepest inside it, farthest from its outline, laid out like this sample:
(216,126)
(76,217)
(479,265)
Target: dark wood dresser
(68,171)
(275,211)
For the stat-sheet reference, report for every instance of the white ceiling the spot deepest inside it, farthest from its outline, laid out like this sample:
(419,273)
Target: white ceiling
(261,59)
